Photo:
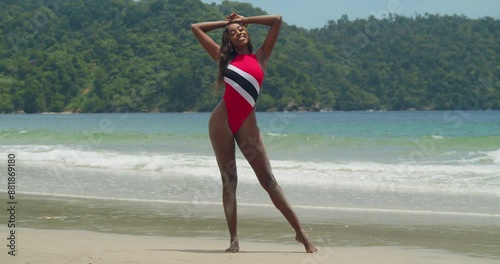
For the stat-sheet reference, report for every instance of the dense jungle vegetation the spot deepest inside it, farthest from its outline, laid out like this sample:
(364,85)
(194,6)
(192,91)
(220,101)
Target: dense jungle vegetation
(132,56)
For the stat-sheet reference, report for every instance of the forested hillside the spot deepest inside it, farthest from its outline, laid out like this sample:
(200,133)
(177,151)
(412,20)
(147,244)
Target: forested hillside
(123,55)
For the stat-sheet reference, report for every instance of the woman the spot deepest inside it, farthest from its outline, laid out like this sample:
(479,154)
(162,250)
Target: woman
(233,119)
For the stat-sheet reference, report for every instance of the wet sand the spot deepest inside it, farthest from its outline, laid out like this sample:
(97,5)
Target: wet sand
(69,230)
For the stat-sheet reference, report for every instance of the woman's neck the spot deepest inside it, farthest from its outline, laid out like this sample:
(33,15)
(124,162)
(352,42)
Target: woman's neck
(242,51)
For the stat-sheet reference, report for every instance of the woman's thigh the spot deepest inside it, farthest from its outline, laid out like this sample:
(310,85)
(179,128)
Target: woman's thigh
(252,146)
(222,141)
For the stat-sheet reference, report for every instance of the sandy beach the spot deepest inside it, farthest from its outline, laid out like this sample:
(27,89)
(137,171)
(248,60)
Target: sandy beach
(90,231)
(75,246)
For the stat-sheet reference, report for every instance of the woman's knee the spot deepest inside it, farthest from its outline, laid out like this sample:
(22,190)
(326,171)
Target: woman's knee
(269,183)
(229,182)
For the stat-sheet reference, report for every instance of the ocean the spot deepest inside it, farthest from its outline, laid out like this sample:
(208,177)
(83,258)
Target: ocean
(407,178)
(443,163)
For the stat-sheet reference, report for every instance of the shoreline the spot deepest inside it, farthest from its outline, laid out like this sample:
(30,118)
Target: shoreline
(338,229)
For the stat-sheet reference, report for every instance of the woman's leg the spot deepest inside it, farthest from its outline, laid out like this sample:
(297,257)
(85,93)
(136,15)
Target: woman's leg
(252,146)
(223,145)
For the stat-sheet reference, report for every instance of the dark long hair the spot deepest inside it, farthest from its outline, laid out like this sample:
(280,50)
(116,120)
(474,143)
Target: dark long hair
(227,54)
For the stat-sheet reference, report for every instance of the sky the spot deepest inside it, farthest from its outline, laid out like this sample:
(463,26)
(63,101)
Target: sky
(316,13)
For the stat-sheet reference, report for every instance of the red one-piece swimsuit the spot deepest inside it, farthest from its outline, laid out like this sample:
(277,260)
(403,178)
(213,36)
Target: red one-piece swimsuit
(243,79)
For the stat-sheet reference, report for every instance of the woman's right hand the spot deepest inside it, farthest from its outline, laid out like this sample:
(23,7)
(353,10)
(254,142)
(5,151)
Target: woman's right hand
(235,18)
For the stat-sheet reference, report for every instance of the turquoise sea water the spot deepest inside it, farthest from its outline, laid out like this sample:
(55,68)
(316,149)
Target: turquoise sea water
(415,162)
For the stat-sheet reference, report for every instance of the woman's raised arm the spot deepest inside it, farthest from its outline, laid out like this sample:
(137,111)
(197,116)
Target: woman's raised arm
(274,21)
(200,32)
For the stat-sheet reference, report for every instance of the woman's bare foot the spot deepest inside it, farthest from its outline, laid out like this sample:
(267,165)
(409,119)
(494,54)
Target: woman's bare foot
(310,248)
(234,247)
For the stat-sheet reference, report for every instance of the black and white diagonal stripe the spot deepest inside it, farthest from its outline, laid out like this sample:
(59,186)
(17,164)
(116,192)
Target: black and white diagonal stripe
(245,84)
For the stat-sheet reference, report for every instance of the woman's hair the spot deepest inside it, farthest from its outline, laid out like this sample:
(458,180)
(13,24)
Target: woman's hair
(227,54)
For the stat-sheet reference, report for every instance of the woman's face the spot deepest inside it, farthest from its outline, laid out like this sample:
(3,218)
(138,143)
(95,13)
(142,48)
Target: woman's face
(238,35)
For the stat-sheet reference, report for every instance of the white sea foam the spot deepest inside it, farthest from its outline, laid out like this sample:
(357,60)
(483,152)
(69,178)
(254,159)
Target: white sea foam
(460,176)
(276,135)
(495,156)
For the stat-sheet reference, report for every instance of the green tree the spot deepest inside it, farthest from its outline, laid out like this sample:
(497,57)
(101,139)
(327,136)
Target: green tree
(122,56)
